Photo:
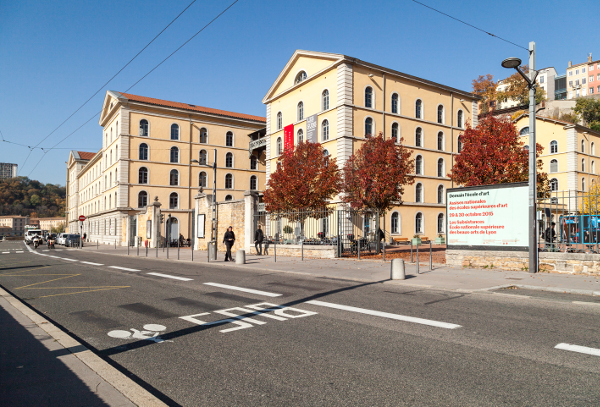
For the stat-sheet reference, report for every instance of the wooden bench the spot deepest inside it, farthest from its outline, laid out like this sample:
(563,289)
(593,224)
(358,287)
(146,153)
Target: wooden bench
(400,240)
(424,239)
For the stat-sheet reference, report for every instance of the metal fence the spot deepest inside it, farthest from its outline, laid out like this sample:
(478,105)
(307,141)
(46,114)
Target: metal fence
(348,230)
(576,218)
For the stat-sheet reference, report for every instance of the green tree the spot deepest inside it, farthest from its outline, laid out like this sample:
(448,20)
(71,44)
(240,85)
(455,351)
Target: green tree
(588,111)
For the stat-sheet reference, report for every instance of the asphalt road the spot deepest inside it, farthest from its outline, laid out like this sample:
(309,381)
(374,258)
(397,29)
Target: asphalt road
(308,341)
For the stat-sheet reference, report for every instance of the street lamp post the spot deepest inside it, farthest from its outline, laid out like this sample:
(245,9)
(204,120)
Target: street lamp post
(514,63)
(212,250)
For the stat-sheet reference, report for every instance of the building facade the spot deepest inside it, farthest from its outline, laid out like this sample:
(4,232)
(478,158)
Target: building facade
(15,223)
(577,79)
(594,77)
(158,149)
(8,170)
(347,100)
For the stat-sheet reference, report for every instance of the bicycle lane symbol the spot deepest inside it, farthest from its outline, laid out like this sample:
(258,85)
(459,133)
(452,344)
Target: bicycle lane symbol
(150,332)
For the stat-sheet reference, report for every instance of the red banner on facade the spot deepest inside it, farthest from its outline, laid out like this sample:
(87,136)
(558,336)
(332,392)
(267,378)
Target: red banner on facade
(288,137)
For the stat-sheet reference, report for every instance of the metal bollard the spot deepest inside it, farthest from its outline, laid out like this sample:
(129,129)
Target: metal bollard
(128,249)
(115,244)
(97,246)
(302,249)
(417,258)
(384,250)
(157,250)
(240,257)
(358,246)
(168,250)
(275,250)
(177,249)
(146,249)
(138,250)
(397,270)
(430,257)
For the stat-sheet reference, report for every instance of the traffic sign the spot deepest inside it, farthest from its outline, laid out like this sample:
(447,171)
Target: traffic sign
(81,218)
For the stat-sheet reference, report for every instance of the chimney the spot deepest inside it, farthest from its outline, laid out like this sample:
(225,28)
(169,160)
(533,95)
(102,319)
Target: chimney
(570,64)
(590,57)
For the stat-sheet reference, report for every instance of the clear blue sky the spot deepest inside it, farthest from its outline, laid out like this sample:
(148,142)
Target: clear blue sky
(55,55)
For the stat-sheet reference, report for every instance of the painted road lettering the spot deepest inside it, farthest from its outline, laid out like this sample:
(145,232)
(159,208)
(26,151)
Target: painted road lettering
(241,316)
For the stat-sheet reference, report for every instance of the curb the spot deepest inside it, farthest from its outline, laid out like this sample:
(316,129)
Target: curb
(124,385)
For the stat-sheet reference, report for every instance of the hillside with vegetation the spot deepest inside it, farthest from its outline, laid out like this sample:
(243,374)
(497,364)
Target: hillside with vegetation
(26,197)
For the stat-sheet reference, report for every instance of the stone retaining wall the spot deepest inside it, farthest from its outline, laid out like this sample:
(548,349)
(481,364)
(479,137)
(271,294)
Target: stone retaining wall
(568,263)
(310,251)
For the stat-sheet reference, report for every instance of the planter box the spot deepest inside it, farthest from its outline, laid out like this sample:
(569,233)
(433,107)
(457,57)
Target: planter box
(416,241)
(440,240)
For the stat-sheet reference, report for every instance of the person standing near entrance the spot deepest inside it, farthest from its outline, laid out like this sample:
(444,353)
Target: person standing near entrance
(258,239)
(229,240)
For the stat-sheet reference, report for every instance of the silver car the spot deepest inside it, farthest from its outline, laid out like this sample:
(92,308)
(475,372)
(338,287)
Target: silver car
(72,240)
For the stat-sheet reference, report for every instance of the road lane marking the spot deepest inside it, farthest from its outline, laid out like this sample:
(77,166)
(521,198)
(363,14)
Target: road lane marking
(56,257)
(64,258)
(247,290)
(586,303)
(5,252)
(122,268)
(168,276)
(578,349)
(398,317)
(19,251)
(92,264)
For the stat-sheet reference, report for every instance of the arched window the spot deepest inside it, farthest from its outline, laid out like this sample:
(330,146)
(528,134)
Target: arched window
(116,153)
(368,127)
(395,223)
(279,121)
(419,137)
(395,103)
(110,155)
(253,162)
(300,136)
(173,200)
(419,109)
(592,149)
(202,179)
(460,119)
(143,128)
(583,146)
(440,167)
(440,223)
(142,199)
(553,165)
(419,165)
(229,160)
(369,97)
(440,141)
(524,131)
(174,155)
(228,198)
(228,181)
(395,132)
(419,223)
(325,100)
(526,147)
(593,167)
(203,135)
(143,152)
(460,144)
(553,147)
(253,183)
(229,139)
(279,146)
(174,177)
(440,114)
(203,157)
(143,175)
(440,194)
(300,111)
(325,130)
(553,184)
(300,77)
(419,192)
(583,184)
(174,132)
(583,165)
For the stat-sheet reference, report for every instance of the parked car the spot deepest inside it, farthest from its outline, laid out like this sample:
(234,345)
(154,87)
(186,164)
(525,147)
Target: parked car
(72,240)
(61,238)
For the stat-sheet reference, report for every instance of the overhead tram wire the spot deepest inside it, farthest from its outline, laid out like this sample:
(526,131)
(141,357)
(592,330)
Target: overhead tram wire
(138,81)
(470,25)
(113,77)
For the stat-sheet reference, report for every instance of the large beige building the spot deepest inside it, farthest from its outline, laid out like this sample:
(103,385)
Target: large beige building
(157,149)
(16,224)
(347,99)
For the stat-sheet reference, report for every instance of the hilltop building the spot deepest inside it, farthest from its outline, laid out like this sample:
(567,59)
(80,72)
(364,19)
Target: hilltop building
(8,170)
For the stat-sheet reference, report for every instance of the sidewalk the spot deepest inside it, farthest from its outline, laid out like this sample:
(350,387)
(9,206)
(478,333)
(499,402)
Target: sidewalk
(43,366)
(441,277)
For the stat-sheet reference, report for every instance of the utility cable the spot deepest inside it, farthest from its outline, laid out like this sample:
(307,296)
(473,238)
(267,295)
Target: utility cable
(113,77)
(470,25)
(142,78)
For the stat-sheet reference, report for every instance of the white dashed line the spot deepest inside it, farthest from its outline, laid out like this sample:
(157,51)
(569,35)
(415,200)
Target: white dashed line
(56,257)
(64,258)
(247,290)
(386,315)
(92,264)
(168,276)
(578,349)
(586,303)
(20,251)
(122,268)
(5,252)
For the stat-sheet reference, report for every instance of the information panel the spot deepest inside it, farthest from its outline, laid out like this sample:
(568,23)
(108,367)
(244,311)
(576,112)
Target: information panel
(488,217)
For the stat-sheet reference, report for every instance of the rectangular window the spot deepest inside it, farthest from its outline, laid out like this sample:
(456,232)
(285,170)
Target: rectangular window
(591,91)
(570,73)
(541,79)
(576,82)
(571,83)
(576,71)
(592,78)
(598,90)
(582,70)
(583,81)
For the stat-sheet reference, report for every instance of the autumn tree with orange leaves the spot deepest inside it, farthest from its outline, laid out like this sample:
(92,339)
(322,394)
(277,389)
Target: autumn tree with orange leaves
(518,90)
(485,86)
(493,154)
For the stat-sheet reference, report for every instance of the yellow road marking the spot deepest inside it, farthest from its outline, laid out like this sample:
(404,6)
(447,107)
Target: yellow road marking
(78,292)
(44,282)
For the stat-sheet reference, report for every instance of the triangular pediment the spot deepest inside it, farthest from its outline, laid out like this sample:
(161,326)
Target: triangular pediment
(111,99)
(308,61)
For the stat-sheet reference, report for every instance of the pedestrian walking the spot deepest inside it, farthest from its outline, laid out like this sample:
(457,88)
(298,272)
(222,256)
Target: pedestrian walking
(258,239)
(550,236)
(229,240)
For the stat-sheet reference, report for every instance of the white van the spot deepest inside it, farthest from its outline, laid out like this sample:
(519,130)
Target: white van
(31,233)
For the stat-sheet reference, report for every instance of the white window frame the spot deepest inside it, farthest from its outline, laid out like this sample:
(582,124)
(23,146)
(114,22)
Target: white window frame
(322,132)
(372,97)
(399,228)
(443,114)
(392,102)
(417,232)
